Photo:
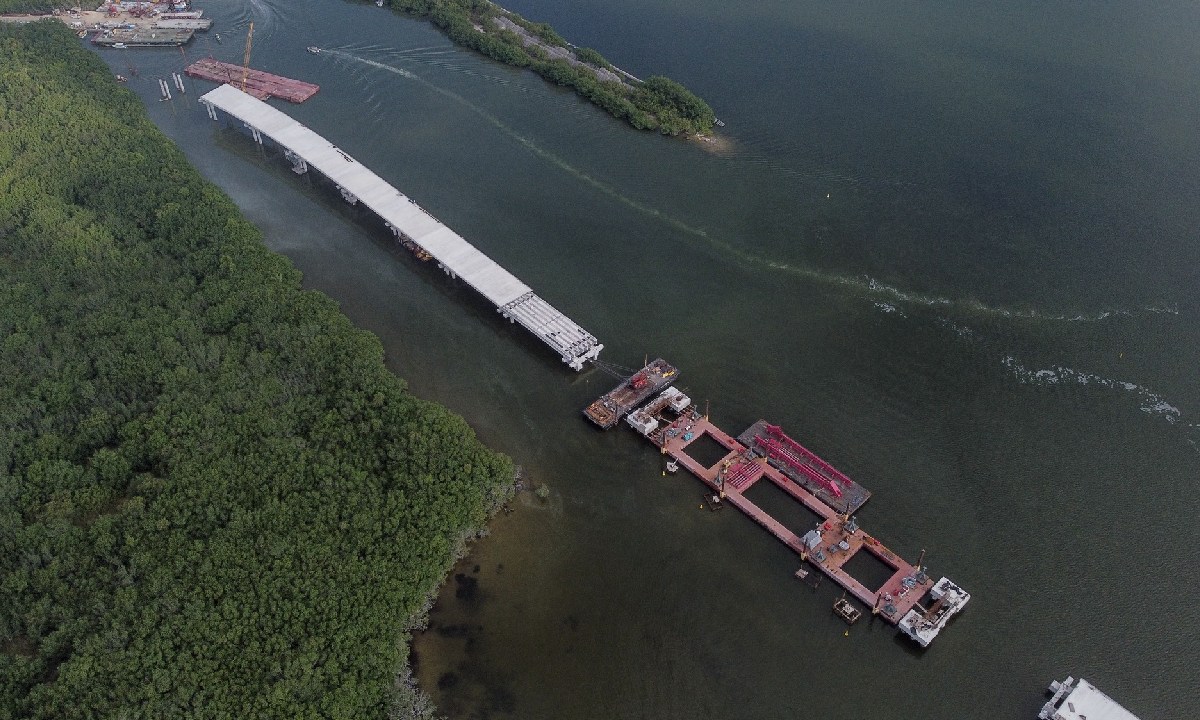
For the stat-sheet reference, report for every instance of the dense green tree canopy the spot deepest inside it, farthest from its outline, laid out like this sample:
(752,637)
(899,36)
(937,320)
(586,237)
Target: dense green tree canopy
(657,104)
(29,6)
(215,501)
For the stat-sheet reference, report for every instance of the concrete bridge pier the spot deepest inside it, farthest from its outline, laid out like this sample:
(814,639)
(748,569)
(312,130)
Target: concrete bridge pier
(298,165)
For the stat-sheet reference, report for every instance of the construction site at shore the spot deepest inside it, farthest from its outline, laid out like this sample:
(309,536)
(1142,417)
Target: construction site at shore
(128,24)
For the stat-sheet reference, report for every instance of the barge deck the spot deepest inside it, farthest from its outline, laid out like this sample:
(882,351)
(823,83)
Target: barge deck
(261,85)
(672,423)
(803,466)
(142,37)
(609,408)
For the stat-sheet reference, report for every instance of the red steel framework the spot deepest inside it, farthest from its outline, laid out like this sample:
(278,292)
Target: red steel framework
(795,455)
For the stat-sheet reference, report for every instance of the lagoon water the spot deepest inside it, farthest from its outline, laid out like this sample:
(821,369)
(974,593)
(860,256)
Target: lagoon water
(952,247)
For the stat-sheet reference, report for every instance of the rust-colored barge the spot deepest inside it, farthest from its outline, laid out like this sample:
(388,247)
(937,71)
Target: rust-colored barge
(828,546)
(612,406)
(803,466)
(261,85)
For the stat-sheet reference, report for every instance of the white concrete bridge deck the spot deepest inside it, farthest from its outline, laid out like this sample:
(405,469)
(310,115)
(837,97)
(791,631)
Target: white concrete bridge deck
(513,298)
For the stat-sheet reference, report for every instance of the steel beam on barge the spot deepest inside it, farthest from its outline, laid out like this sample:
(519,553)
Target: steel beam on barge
(512,298)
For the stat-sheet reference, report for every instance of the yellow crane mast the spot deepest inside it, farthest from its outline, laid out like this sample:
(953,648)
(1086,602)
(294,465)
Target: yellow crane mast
(246,56)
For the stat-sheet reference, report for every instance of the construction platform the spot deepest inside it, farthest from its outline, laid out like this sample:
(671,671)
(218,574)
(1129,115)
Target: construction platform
(829,546)
(410,223)
(262,85)
(142,37)
(609,408)
(198,24)
(804,467)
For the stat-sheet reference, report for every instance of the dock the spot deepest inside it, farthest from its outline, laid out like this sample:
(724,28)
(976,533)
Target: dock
(142,37)
(261,85)
(671,423)
(199,24)
(409,222)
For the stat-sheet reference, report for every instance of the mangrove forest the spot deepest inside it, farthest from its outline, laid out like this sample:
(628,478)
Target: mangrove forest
(656,103)
(215,500)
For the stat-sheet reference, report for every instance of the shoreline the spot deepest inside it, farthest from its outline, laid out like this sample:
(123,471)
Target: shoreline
(86,20)
(656,103)
(402,537)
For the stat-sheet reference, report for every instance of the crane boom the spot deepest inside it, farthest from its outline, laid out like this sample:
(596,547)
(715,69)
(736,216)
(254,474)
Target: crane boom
(246,56)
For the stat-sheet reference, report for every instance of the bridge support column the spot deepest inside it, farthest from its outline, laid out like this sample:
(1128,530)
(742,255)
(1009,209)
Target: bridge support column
(298,165)
(347,195)
(255,133)
(212,110)
(448,271)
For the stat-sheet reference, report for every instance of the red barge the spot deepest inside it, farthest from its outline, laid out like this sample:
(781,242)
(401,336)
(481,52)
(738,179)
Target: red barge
(261,85)
(909,598)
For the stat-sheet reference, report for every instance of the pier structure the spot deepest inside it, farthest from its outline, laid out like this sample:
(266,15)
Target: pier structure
(409,222)
(183,23)
(830,545)
(142,37)
(262,85)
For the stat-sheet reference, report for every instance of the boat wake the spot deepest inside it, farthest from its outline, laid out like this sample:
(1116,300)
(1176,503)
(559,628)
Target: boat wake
(265,14)
(865,286)
(885,298)
(527,143)
(1149,401)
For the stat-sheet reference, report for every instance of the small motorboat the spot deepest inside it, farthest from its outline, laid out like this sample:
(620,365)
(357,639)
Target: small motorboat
(314,49)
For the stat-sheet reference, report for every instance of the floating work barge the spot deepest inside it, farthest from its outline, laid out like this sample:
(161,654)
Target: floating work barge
(259,84)
(184,24)
(142,37)
(672,423)
(1080,700)
(804,467)
(608,409)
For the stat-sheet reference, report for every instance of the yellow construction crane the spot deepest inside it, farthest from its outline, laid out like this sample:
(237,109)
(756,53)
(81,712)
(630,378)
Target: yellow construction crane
(246,56)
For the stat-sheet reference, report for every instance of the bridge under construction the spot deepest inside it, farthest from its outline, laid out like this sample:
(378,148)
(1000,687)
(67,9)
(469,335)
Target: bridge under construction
(409,222)
(669,420)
